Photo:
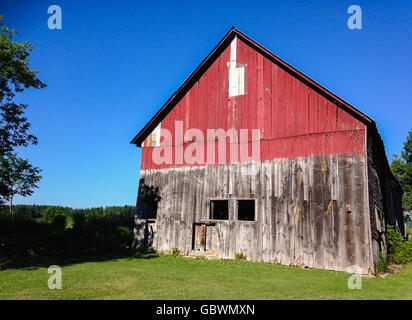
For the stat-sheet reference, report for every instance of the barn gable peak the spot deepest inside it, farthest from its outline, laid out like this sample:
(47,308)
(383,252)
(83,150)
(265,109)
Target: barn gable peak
(236,81)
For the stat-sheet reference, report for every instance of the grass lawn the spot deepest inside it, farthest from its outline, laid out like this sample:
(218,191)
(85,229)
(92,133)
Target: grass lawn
(168,277)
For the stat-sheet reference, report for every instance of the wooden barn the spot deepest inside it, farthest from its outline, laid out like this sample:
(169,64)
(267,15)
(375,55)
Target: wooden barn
(251,156)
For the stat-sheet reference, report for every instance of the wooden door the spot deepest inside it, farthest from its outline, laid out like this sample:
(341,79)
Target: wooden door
(199,237)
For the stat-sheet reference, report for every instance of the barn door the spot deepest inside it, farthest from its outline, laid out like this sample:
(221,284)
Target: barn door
(199,236)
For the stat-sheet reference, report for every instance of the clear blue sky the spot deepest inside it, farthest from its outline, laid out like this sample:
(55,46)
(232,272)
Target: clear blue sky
(114,64)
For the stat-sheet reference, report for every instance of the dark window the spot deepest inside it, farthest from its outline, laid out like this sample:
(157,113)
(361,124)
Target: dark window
(151,209)
(246,210)
(148,200)
(219,209)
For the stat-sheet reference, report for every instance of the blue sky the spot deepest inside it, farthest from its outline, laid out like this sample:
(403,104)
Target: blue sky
(114,64)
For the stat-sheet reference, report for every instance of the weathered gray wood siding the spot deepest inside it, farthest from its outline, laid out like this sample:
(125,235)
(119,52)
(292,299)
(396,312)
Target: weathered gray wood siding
(384,198)
(310,211)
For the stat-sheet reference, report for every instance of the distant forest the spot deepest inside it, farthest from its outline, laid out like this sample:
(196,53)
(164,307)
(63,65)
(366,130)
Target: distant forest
(42,230)
(35,211)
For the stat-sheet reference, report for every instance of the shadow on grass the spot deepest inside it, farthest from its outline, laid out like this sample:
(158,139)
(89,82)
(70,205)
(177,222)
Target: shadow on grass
(44,261)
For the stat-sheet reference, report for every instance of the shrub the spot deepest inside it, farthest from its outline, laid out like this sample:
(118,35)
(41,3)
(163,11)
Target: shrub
(175,252)
(399,250)
(53,215)
(240,256)
(125,232)
(383,263)
(409,232)
(69,222)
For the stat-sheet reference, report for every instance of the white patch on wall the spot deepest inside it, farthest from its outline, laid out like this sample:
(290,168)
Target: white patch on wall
(236,73)
(156,136)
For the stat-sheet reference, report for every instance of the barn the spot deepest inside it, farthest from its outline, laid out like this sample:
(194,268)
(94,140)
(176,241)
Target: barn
(251,156)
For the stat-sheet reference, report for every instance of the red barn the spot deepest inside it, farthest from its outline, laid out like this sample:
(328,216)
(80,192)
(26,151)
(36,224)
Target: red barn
(251,156)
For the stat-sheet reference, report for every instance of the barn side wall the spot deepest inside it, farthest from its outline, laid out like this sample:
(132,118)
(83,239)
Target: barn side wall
(376,207)
(384,198)
(310,211)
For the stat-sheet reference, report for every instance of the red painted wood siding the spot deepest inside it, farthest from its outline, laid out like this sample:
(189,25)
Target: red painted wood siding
(295,121)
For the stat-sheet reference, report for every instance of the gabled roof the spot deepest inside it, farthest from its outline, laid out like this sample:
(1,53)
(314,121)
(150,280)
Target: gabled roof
(221,46)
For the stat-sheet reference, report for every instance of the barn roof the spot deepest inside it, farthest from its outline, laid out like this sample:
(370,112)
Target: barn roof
(213,55)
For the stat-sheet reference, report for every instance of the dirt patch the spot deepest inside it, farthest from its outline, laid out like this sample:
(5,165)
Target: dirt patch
(393,269)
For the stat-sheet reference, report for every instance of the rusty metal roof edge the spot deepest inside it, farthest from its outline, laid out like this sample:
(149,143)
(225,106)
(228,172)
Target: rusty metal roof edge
(144,132)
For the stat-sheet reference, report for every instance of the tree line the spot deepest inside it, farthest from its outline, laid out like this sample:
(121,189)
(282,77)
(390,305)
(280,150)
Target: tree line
(54,231)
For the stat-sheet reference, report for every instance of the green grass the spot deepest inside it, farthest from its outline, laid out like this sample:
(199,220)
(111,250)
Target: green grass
(168,277)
